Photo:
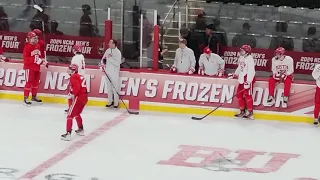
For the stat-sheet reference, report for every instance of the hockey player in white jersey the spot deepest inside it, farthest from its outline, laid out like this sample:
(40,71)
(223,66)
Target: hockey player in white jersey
(316,111)
(78,59)
(211,64)
(246,78)
(282,71)
(184,61)
(110,64)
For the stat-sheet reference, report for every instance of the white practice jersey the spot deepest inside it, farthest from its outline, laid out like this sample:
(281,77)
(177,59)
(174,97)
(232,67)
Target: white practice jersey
(211,65)
(184,60)
(246,68)
(113,57)
(284,66)
(78,59)
(316,74)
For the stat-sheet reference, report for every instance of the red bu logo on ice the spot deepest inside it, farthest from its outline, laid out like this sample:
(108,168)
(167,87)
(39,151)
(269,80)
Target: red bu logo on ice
(221,159)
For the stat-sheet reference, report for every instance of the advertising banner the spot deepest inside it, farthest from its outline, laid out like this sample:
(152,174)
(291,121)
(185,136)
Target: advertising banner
(162,88)
(13,42)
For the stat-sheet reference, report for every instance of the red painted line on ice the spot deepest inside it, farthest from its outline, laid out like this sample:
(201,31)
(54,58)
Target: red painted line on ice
(73,147)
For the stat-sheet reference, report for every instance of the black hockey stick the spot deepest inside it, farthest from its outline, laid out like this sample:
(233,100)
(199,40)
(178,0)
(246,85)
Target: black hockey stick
(130,112)
(200,118)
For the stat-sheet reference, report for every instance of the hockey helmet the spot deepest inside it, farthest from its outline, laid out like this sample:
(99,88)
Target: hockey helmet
(245,49)
(32,38)
(207,50)
(77,48)
(38,32)
(279,52)
(73,68)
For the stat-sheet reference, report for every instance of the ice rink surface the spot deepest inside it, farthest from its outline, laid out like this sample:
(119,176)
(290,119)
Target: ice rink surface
(149,146)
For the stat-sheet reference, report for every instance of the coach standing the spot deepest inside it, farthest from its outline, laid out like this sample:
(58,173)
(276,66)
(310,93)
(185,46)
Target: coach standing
(110,64)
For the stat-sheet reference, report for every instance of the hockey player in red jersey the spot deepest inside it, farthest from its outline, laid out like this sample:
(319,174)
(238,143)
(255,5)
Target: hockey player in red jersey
(246,78)
(282,71)
(79,96)
(316,111)
(32,61)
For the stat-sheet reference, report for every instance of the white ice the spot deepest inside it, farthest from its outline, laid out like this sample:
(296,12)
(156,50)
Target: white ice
(133,148)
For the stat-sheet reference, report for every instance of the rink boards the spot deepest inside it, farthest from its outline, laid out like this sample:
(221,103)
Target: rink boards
(164,92)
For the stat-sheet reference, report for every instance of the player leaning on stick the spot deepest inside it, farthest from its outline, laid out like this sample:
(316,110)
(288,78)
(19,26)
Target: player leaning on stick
(110,65)
(211,64)
(246,78)
(282,71)
(316,111)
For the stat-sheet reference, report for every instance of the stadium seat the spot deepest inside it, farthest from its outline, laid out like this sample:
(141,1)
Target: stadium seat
(58,15)
(246,11)
(212,9)
(258,27)
(14,11)
(263,42)
(299,15)
(20,26)
(68,29)
(73,15)
(16,2)
(229,11)
(225,24)
(314,16)
(62,3)
(263,13)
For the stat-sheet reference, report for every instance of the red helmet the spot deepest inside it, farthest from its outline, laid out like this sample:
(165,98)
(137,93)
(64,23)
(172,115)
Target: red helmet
(38,32)
(32,38)
(77,48)
(246,48)
(279,52)
(73,68)
(207,50)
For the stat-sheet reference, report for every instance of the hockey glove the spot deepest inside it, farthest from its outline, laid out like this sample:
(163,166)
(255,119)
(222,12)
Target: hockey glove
(39,61)
(102,67)
(230,76)
(4,59)
(71,96)
(173,69)
(283,77)
(276,76)
(246,85)
(201,71)
(191,70)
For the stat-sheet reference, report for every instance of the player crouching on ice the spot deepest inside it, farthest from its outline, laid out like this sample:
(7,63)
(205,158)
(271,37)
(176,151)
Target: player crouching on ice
(246,78)
(282,71)
(184,61)
(316,111)
(79,95)
(211,64)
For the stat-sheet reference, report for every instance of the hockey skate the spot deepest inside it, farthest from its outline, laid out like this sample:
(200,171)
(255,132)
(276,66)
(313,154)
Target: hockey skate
(284,102)
(66,111)
(109,105)
(271,101)
(66,136)
(26,102)
(241,114)
(316,122)
(36,100)
(249,115)
(80,132)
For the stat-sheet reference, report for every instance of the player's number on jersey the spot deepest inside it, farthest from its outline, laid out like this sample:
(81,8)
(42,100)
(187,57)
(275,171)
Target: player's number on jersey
(83,82)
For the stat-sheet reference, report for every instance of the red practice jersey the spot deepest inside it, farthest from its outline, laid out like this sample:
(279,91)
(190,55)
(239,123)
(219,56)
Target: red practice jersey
(77,85)
(42,46)
(31,53)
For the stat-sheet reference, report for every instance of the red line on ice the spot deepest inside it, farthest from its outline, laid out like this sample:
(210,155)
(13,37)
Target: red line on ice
(73,147)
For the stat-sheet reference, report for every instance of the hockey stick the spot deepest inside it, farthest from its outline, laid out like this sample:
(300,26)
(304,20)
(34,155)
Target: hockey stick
(200,118)
(130,112)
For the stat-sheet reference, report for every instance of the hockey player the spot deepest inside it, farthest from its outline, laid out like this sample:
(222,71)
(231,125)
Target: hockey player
(316,111)
(110,64)
(282,71)
(78,94)
(77,59)
(184,61)
(32,61)
(246,78)
(211,64)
